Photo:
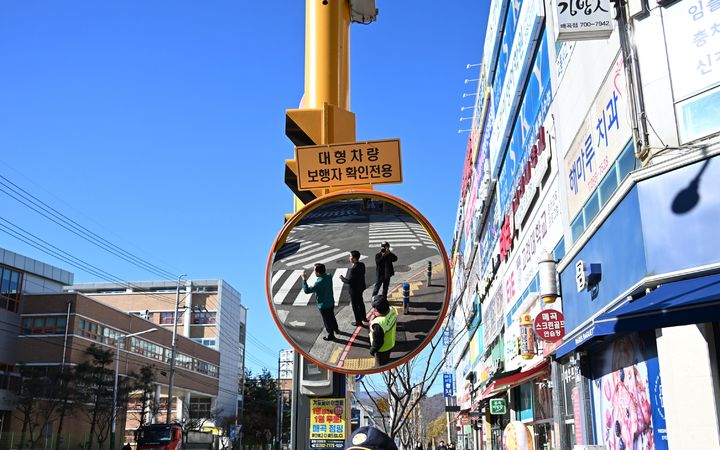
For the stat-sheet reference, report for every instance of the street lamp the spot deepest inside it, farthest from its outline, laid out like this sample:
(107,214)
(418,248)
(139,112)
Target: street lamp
(118,339)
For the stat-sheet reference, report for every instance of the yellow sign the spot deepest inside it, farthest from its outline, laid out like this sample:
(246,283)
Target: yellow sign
(351,164)
(327,419)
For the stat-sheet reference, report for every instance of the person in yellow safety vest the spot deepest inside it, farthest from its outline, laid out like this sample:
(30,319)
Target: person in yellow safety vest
(383,330)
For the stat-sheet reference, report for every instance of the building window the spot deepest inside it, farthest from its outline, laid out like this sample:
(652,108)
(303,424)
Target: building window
(203,318)
(166,318)
(205,342)
(9,379)
(621,168)
(200,408)
(10,289)
(43,325)
(206,368)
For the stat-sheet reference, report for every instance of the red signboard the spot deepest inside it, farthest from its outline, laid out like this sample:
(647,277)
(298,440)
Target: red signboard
(549,325)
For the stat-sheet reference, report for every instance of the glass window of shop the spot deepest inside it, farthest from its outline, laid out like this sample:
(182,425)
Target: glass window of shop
(568,396)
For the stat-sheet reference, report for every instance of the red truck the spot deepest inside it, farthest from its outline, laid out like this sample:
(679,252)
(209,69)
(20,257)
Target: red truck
(171,437)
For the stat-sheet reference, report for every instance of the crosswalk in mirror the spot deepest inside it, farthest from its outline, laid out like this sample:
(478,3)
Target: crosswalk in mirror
(358,281)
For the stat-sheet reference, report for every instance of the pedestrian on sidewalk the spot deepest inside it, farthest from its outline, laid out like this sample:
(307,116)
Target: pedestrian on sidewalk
(323,290)
(383,330)
(384,269)
(356,280)
(442,446)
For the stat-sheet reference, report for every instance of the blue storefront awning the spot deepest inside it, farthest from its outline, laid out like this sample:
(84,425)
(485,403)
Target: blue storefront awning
(694,300)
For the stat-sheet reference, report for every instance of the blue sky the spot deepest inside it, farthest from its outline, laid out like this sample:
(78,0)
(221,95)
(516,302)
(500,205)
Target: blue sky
(160,126)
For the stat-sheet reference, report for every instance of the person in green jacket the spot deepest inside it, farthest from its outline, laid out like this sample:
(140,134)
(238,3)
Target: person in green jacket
(323,289)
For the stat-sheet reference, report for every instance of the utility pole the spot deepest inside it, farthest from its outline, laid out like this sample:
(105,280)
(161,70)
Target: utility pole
(324,117)
(118,340)
(171,374)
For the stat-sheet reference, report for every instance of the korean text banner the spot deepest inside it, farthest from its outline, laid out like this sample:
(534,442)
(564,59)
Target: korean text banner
(603,134)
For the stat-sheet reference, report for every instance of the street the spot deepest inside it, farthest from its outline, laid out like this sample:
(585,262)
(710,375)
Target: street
(327,235)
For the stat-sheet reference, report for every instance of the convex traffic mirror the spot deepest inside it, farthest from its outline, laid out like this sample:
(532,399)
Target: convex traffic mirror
(358,281)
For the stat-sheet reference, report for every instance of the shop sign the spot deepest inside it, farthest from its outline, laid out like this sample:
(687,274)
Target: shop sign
(492,314)
(458,226)
(498,407)
(541,235)
(563,58)
(448,385)
(526,35)
(549,325)
(505,47)
(693,47)
(583,20)
(602,136)
(536,99)
(327,423)
(535,169)
(491,44)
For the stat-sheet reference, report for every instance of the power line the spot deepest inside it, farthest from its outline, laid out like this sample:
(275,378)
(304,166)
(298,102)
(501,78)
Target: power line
(22,196)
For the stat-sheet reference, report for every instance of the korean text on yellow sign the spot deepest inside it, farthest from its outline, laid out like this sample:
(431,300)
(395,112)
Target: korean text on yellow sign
(347,165)
(327,418)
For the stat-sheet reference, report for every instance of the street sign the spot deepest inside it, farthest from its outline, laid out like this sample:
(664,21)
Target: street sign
(347,165)
(448,385)
(327,423)
(497,406)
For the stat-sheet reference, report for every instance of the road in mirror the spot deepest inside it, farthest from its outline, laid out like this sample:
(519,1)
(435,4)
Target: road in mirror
(348,282)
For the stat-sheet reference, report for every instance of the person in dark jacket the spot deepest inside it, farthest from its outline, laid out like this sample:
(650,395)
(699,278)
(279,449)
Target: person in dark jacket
(383,330)
(323,290)
(384,269)
(356,280)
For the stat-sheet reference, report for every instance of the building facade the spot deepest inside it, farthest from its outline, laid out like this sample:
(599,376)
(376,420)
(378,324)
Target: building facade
(593,155)
(20,276)
(210,313)
(57,329)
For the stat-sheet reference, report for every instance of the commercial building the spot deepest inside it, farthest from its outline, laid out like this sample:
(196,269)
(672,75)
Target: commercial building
(210,313)
(593,154)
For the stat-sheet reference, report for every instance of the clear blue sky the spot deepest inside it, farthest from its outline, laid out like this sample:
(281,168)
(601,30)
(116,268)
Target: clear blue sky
(160,126)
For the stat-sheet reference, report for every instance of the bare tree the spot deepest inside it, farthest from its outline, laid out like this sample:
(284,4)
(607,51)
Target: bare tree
(405,387)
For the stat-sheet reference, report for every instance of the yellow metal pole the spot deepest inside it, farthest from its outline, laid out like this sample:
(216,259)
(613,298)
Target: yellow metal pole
(327,54)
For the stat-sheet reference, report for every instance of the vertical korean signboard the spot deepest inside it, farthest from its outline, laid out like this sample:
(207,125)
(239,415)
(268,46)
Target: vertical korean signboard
(327,423)
(601,138)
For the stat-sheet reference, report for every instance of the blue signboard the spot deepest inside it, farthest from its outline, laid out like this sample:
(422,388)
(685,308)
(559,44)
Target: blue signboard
(511,20)
(448,385)
(534,107)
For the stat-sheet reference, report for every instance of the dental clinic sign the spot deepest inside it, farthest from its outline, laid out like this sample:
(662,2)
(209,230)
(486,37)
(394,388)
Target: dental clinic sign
(600,139)
(577,20)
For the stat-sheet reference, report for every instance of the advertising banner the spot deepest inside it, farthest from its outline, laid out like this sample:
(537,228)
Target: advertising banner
(628,394)
(526,37)
(693,45)
(448,385)
(533,109)
(493,313)
(603,134)
(327,423)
